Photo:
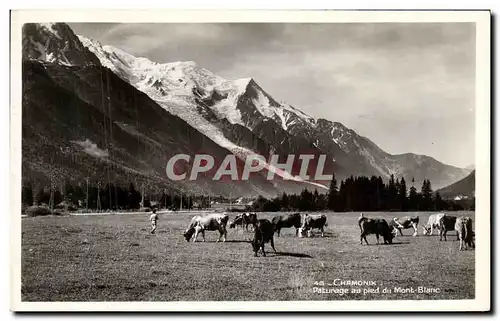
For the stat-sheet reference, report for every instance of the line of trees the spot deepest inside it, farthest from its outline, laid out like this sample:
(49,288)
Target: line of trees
(107,197)
(364,194)
(352,194)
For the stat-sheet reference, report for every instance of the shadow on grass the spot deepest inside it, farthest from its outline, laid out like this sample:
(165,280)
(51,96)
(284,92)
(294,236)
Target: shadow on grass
(291,254)
(227,241)
(383,244)
(326,235)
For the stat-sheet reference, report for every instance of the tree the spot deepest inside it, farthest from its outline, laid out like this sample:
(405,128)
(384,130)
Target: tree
(42,197)
(426,195)
(27,194)
(58,198)
(306,200)
(413,199)
(69,194)
(285,202)
(259,203)
(392,194)
(164,200)
(439,203)
(332,194)
(134,197)
(402,194)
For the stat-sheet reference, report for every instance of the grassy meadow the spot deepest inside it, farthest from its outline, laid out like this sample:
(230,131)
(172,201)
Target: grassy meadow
(114,258)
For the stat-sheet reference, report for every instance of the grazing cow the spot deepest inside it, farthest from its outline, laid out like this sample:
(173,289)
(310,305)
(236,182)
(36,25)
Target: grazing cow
(210,222)
(446,223)
(463,226)
(432,223)
(310,222)
(244,219)
(291,220)
(405,222)
(263,233)
(377,226)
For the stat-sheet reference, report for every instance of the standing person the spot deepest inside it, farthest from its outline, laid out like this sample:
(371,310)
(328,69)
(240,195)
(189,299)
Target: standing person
(154,221)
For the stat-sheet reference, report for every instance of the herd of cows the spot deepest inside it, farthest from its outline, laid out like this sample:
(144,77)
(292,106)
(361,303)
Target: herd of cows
(304,224)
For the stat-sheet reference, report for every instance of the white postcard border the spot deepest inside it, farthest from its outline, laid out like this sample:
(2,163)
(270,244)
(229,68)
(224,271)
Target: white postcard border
(483,153)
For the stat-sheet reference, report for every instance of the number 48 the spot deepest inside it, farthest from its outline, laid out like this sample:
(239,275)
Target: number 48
(320,283)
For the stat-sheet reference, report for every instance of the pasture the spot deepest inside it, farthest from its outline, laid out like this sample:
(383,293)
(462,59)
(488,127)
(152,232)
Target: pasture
(114,258)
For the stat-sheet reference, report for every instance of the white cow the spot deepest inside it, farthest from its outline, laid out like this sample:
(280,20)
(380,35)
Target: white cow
(432,223)
(463,226)
(210,222)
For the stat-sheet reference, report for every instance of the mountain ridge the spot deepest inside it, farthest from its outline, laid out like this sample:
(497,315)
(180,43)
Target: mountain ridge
(464,187)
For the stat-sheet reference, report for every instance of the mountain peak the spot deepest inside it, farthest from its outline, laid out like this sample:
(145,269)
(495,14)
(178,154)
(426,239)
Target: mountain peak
(242,83)
(55,43)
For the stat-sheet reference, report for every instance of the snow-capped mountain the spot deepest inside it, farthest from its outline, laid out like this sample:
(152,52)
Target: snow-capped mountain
(217,107)
(213,104)
(206,112)
(80,120)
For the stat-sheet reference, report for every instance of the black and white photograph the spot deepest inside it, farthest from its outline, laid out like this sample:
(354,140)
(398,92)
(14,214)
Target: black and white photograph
(250,161)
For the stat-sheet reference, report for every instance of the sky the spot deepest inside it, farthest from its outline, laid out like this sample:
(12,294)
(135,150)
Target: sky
(408,87)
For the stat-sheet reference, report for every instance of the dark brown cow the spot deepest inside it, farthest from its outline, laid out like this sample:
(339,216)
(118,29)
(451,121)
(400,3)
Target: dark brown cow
(290,220)
(446,223)
(263,233)
(310,222)
(377,226)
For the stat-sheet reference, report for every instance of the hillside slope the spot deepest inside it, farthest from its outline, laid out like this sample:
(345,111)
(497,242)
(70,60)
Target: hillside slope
(464,187)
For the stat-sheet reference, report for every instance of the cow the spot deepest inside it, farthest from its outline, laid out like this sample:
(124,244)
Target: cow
(432,223)
(263,233)
(290,220)
(310,222)
(463,226)
(446,223)
(377,226)
(405,222)
(210,222)
(244,219)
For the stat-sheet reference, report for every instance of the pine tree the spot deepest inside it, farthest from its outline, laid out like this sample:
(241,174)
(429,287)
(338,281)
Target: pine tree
(306,200)
(392,193)
(316,200)
(332,194)
(413,199)
(402,194)
(285,202)
(426,195)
